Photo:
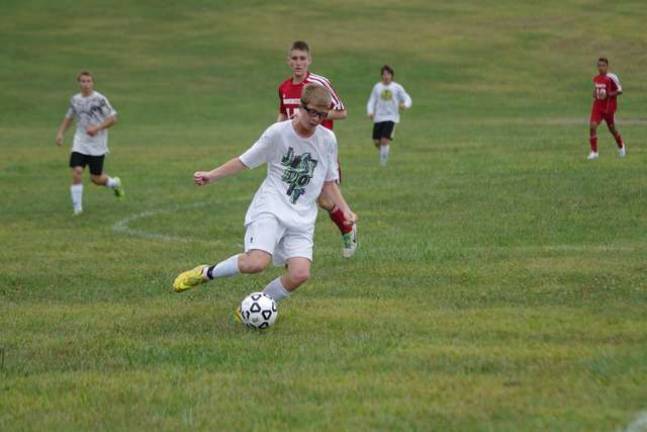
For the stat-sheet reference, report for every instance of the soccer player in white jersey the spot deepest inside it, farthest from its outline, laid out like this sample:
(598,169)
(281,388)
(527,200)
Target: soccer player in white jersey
(301,159)
(383,108)
(94,115)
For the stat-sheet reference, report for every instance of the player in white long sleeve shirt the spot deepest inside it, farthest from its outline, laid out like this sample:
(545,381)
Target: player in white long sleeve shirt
(383,107)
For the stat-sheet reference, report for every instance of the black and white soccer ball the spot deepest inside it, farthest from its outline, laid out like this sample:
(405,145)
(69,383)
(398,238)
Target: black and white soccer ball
(258,310)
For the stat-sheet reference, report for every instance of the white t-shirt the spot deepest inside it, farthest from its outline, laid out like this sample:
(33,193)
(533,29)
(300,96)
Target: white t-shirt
(296,171)
(90,110)
(384,102)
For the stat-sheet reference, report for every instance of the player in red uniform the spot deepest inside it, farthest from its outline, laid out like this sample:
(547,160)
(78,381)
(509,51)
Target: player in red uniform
(605,94)
(299,60)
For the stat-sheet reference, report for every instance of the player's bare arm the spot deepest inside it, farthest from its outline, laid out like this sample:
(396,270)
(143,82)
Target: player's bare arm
(332,191)
(232,167)
(107,123)
(65,125)
(334,114)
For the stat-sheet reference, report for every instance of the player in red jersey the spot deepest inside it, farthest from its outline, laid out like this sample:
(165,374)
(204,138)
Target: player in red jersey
(289,91)
(605,94)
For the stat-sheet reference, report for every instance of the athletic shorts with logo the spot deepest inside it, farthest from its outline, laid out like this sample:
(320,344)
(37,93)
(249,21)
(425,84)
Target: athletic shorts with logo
(268,234)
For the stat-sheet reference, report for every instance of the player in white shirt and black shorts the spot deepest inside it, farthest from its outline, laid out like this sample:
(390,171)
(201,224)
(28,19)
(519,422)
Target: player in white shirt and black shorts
(94,115)
(301,160)
(383,107)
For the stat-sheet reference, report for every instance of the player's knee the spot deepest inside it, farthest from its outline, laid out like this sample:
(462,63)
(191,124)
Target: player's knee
(97,180)
(77,175)
(257,266)
(300,275)
(254,263)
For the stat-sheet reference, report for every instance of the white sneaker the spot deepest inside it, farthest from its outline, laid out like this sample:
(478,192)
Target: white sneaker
(593,155)
(622,152)
(350,243)
(78,211)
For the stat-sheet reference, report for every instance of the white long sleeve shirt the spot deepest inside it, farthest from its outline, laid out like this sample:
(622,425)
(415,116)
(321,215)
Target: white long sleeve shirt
(384,102)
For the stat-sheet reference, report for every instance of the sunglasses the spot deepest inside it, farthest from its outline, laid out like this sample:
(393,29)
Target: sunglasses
(313,112)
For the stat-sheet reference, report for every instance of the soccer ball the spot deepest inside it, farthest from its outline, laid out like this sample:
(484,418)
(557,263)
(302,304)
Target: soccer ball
(258,310)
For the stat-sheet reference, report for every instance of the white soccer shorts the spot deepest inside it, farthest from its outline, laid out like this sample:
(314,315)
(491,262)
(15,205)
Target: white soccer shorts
(266,233)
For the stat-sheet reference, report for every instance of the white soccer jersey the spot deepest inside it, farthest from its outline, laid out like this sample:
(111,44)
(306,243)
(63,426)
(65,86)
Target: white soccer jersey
(296,171)
(384,102)
(90,110)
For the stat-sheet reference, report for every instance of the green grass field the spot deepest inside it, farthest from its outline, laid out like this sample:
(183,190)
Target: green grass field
(501,283)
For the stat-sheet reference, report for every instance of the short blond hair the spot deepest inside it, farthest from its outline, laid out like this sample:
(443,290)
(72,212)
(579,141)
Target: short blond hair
(84,73)
(317,96)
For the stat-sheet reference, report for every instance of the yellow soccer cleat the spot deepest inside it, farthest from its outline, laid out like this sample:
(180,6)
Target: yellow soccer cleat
(119,189)
(238,316)
(189,279)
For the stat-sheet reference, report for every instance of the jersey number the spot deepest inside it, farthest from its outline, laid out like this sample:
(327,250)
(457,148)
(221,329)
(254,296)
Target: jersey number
(600,92)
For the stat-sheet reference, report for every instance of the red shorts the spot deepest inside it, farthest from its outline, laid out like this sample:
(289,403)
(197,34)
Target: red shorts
(597,115)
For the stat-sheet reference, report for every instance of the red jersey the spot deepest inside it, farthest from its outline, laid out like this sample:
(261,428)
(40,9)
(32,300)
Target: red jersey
(290,96)
(604,84)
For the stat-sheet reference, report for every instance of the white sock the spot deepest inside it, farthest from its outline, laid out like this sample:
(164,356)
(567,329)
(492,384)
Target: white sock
(112,183)
(226,268)
(384,153)
(276,290)
(76,191)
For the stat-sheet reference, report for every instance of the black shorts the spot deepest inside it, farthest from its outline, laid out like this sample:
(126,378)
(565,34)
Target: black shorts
(95,162)
(383,130)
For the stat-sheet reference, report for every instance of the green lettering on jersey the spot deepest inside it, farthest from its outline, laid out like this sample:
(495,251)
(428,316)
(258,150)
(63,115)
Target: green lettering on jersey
(298,172)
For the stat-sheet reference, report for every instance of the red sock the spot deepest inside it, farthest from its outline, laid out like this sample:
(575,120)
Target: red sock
(593,140)
(337,216)
(619,140)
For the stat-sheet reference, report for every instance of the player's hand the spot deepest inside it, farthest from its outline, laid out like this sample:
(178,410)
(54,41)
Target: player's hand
(371,116)
(402,106)
(92,130)
(201,178)
(349,217)
(59,140)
